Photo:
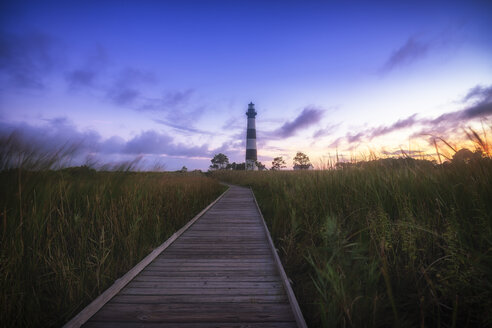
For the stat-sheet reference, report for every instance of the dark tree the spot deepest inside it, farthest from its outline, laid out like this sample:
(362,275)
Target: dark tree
(278,163)
(235,166)
(219,162)
(466,156)
(260,166)
(302,162)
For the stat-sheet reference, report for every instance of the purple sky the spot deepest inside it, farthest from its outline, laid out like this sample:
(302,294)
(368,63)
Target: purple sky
(170,81)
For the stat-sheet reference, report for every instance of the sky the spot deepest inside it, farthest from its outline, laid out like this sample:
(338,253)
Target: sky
(169,82)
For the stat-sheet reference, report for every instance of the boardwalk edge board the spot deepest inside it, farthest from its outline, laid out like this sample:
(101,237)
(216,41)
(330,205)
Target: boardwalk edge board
(301,323)
(120,283)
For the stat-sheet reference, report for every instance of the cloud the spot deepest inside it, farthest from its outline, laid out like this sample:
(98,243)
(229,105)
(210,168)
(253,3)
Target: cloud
(126,88)
(479,94)
(81,78)
(86,76)
(480,110)
(308,117)
(58,122)
(177,98)
(170,100)
(124,96)
(122,88)
(56,137)
(27,59)
(417,48)
(233,149)
(175,109)
(152,142)
(112,145)
(353,138)
(60,133)
(413,50)
(124,91)
(398,125)
(148,142)
(175,106)
(233,123)
(185,128)
(480,107)
(336,143)
(326,131)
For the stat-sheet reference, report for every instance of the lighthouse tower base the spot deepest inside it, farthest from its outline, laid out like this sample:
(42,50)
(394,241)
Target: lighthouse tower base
(251,165)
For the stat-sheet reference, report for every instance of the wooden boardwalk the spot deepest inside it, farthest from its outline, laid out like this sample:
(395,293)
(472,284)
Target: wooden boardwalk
(222,271)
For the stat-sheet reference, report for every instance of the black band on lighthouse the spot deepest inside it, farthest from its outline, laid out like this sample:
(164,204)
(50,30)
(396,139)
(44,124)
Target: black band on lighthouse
(251,154)
(251,134)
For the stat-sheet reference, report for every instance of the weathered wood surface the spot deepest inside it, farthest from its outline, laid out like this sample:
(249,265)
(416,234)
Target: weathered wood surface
(221,272)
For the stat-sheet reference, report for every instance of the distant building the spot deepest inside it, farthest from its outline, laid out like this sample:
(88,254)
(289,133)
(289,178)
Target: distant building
(251,155)
(307,167)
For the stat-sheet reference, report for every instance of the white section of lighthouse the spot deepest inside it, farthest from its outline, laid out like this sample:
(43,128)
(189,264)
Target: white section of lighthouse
(251,155)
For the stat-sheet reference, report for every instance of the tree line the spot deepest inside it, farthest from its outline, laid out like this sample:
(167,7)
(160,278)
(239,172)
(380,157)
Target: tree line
(301,161)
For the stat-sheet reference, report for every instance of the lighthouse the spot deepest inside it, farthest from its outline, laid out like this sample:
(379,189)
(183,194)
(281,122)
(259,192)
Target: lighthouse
(251,155)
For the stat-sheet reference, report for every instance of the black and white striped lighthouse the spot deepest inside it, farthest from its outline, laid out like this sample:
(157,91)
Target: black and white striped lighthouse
(251,155)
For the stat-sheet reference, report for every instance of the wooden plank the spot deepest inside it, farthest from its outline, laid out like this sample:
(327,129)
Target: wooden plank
(194,312)
(160,299)
(216,228)
(220,233)
(218,270)
(200,244)
(218,248)
(217,266)
(198,251)
(219,252)
(216,273)
(217,244)
(231,274)
(204,284)
(195,291)
(224,226)
(99,324)
(210,258)
(160,259)
(231,219)
(212,263)
(156,276)
(192,247)
(221,238)
(225,231)
(233,224)
(215,256)
(102,299)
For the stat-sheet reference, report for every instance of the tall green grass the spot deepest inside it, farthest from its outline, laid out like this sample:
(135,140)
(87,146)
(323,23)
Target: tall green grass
(389,243)
(66,235)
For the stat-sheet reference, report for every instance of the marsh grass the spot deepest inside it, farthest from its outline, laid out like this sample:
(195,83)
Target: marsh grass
(395,242)
(66,235)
